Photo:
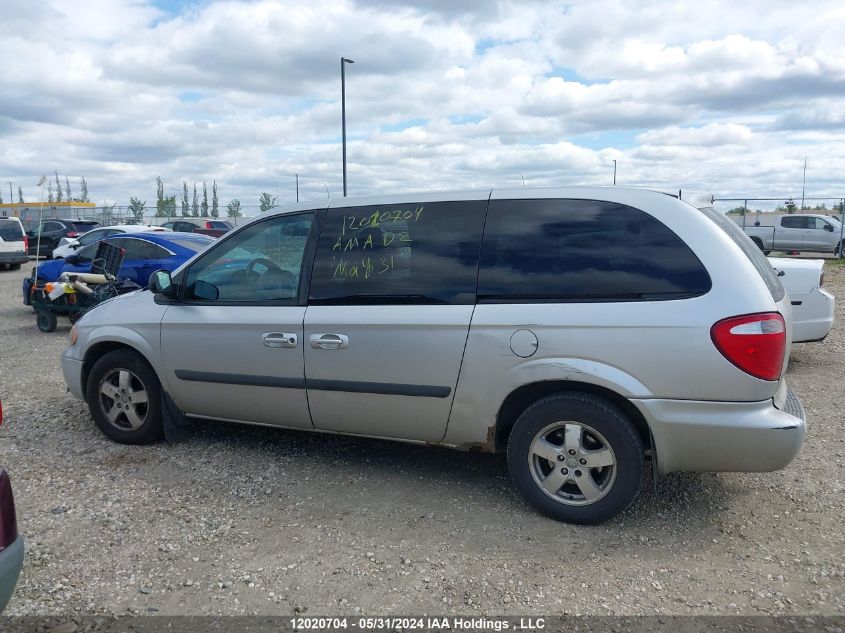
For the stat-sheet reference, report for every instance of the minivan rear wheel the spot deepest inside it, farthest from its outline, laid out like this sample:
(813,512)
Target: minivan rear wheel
(576,458)
(124,398)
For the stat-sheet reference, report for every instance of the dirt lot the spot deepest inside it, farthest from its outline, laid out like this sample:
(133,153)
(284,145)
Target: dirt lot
(251,520)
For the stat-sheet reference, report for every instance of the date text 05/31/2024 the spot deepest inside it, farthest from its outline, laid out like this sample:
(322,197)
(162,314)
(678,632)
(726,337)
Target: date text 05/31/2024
(426,623)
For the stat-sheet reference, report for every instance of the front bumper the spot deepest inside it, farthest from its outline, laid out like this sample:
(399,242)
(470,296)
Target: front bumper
(72,371)
(701,436)
(11,561)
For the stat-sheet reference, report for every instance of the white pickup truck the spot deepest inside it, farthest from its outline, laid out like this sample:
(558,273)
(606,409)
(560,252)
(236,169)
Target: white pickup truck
(812,305)
(795,232)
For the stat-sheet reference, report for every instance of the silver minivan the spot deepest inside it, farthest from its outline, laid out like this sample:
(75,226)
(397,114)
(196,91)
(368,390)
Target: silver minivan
(591,334)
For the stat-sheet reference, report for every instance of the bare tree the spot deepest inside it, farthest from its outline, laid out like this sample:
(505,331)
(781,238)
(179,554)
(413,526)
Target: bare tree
(185,206)
(204,206)
(195,207)
(215,203)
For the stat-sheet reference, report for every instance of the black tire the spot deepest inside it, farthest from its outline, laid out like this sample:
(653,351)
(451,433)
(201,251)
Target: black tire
(141,377)
(758,242)
(599,422)
(14,266)
(766,253)
(46,321)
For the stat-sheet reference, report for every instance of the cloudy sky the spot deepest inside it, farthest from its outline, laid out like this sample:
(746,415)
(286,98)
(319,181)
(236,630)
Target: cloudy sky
(727,97)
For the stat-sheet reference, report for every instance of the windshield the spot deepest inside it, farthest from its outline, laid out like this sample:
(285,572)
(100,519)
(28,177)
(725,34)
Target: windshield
(11,231)
(192,243)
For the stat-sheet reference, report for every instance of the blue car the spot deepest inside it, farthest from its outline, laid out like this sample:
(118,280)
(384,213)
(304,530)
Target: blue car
(144,254)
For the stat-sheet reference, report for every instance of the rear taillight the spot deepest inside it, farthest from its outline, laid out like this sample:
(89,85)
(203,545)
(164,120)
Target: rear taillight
(756,343)
(72,234)
(25,243)
(8,520)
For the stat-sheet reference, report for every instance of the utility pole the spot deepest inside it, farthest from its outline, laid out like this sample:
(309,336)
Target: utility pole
(804,183)
(11,197)
(614,172)
(343,62)
(297,187)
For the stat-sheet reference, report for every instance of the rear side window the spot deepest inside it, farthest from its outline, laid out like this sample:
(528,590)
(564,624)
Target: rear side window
(139,249)
(751,250)
(410,253)
(11,231)
(583,250)
(795,222)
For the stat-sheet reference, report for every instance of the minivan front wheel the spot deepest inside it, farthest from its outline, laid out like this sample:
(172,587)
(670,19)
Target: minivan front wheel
(576,458)
(124,398)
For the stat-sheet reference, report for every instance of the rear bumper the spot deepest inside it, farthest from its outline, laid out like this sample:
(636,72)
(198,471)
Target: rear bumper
(14,257)
(812,320)
(11,561)
(724,436)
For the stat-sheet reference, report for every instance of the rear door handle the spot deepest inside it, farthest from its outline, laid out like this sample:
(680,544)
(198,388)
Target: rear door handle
(329,341)
(278,339)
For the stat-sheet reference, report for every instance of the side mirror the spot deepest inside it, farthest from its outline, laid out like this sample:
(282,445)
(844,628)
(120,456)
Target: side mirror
(828,227)
(204,290)
(75,245)
(160,283)
(72,259)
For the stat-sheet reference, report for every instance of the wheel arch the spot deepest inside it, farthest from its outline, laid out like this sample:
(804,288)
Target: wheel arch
(97,350)
(522,397)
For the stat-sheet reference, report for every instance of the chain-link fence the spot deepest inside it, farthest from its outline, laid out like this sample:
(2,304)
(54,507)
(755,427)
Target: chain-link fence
(745,216)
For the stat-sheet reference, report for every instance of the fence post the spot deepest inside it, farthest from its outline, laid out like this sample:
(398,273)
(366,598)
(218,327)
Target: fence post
(744,213)
(841,228)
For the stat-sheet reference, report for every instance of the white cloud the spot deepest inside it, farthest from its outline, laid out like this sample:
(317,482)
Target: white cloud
(721,96)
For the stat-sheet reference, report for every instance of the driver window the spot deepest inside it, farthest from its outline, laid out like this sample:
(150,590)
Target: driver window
(260,263)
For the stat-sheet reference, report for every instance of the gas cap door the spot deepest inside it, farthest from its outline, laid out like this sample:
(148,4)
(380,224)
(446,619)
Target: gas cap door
(524,343)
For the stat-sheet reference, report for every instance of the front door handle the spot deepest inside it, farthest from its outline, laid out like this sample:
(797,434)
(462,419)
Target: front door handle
(329,341)
(278,339)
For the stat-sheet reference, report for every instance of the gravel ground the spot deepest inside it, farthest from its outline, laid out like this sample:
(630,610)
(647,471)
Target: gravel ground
(242,520)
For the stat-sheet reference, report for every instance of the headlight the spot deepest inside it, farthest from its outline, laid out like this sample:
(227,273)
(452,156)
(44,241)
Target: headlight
(74,334)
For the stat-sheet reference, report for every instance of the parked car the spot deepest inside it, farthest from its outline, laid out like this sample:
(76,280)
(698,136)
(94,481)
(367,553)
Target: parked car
(70,245)
(13,246)
(52,231)
(145,253)
(812,305)
(795,232)
(566,327)
(215,228)
(11,543)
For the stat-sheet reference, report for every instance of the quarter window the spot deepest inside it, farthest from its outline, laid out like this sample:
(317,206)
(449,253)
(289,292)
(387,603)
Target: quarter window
(409,253)
(262,262)
(583,250)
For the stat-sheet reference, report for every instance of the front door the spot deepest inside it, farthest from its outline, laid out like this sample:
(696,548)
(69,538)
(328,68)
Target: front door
(233,344)
(392,297)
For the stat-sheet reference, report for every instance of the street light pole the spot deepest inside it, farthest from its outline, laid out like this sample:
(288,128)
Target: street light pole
(297,187)
(614,172)
(343,62)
